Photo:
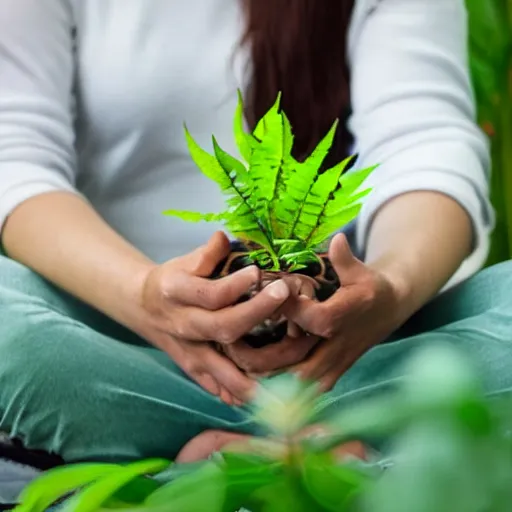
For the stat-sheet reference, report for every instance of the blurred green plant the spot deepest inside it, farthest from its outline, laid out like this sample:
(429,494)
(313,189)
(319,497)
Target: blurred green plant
(490,29)
(450,450)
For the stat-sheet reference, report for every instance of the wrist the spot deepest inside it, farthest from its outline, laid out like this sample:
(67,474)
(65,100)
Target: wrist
(406,298)
(132,313)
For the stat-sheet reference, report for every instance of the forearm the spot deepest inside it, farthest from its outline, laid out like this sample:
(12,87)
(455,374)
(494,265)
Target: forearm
(62,238)
(419,240)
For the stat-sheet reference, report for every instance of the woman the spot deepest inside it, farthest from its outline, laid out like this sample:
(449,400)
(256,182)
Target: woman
(106,310)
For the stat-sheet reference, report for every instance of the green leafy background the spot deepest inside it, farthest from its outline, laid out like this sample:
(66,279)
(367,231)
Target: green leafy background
(490,58)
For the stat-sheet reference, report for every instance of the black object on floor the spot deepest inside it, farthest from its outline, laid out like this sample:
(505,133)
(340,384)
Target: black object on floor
(13,450)
(18,467)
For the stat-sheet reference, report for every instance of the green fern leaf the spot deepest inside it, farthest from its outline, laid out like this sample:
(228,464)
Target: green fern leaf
(267,154)
(95,495)
(241,217)
(245,219)
(207,163)
(316,201)
(195,216)
(244,140)
(351,181)
(281,205)
(298,180)
(335,217)
(242,186)
(340,203)
(334,223)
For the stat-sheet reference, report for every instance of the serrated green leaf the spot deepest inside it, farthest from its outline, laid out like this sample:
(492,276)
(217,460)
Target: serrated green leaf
(341,203)
(247,189)
(95,495)
(314,206)
(242,218)
(352,180)
(297,182)
(267,159)
(243,139)
(232,166)
(262,125)
(195,216)
(207,163)
(331,225)
(281,206)
(57,483)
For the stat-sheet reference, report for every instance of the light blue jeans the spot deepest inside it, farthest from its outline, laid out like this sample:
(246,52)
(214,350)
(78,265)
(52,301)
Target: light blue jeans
(73,382)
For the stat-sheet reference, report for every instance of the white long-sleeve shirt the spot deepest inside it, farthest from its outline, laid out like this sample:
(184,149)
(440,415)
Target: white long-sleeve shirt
(94,94)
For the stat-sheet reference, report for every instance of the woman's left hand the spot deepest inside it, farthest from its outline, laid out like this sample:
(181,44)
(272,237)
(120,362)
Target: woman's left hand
(362,313)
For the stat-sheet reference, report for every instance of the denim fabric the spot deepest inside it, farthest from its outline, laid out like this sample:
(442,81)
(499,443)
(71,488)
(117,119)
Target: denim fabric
(74,383)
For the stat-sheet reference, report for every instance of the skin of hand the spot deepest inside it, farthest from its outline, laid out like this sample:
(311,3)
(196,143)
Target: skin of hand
(365,309)
(405,267)
(271,359)
(185,311)
(172,305)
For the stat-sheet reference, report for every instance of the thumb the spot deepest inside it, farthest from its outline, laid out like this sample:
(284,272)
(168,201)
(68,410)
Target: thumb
(203,261)
(348,268)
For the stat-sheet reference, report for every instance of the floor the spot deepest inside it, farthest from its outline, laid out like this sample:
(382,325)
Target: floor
(13,478)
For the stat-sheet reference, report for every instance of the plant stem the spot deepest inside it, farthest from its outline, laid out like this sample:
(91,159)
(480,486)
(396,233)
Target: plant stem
(275,260)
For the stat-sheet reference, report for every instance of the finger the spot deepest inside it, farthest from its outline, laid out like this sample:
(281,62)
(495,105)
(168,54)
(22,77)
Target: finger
(228,325)
(208,442)
(319,364)
(229,376)
(208,383)
(348,268)
(328,381)
(226,396)
(187,358)
(211,294)
(294,330)
(276,356)
(325,318)
(203,261)
(309,315)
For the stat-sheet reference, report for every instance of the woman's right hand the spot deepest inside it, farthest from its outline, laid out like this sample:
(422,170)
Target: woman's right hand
(183,311)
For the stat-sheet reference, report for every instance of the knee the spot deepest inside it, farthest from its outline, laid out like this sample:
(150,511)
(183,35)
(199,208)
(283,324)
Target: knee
(30,354)
(14,275)
(41,380)
(495,283)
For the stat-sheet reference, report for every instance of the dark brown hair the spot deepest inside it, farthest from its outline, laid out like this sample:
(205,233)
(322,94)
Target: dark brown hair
(298,47)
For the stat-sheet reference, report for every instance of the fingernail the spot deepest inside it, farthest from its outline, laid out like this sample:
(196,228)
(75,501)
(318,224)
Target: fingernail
(278,290)
(251,269)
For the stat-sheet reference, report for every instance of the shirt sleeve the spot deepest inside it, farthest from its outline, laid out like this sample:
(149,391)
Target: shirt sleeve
(414,113)
(36,79)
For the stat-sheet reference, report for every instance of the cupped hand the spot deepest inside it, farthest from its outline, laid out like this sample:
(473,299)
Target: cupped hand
(184,312)
(270,359)
(362,313)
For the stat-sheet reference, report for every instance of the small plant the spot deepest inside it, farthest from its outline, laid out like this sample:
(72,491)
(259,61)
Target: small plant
(281,211)
(447,449)
(284,208)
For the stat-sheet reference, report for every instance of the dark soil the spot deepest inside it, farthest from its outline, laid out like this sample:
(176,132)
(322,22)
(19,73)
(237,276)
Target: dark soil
(319,281)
